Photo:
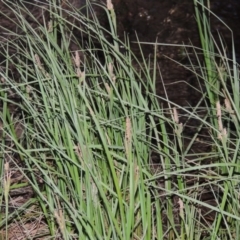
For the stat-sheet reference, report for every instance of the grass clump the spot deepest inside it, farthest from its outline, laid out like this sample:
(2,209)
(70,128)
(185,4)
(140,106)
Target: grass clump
(221,75)
(80,128)
(84,149)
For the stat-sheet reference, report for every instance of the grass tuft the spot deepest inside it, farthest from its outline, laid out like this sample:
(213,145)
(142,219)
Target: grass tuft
(81,125)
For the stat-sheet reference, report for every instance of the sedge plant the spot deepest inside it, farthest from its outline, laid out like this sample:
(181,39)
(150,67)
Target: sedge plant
(85,114)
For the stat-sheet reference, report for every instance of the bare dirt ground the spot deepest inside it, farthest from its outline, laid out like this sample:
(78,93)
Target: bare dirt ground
(174,22)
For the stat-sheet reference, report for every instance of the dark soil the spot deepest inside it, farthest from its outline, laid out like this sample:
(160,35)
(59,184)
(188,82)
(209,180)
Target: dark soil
(173,22)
